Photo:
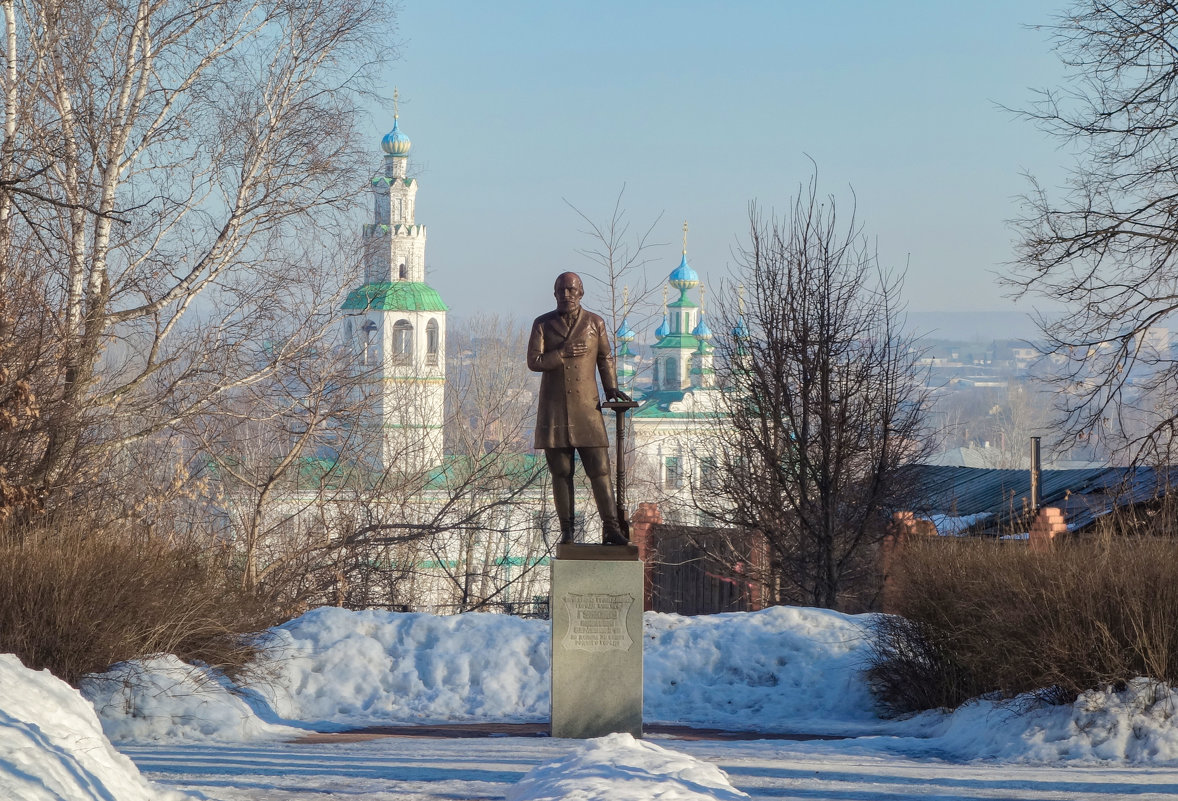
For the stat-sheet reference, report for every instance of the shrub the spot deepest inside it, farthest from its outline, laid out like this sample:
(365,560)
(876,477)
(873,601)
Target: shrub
(983,616)
(77,601)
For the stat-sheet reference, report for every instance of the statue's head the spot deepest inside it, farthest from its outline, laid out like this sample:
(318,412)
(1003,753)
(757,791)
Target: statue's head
(568,291)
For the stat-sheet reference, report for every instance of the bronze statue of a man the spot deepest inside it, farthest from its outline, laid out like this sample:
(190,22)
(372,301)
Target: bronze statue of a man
(567,346)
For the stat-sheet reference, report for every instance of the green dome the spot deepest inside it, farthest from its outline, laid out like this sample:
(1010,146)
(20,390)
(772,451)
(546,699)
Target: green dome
(395,296)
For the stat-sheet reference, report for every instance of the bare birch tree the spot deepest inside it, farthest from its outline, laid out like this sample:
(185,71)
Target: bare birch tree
(167,169)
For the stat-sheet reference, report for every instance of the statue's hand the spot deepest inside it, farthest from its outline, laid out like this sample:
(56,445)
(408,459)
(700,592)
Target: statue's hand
(574,349)
(617,394)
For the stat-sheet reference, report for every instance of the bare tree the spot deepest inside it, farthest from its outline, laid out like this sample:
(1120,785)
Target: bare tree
(1106,248)
(166,171)
(823,401)
(620,256)
(492,550)
(314,520)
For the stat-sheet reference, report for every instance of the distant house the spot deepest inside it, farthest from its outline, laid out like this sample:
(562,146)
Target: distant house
(989,502)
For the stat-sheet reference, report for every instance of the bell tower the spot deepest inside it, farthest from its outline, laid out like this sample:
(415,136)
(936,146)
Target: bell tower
(396,323)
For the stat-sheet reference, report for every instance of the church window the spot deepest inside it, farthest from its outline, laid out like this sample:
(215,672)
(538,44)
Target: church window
(369,346)
(402,342)
(707,473)
(655,377)
(403,272)
(674,468)
(431,342)
(672,373)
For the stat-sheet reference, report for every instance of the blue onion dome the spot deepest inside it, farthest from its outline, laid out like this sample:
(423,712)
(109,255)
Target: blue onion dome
(683,277)
(663,329)
(741,331)
(625,333)
(396,143)
(701,330)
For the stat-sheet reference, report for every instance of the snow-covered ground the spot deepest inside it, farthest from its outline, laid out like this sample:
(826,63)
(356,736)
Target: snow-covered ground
(780,670)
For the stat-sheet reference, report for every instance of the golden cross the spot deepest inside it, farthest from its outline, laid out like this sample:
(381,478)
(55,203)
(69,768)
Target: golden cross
(395,95)
(685,237)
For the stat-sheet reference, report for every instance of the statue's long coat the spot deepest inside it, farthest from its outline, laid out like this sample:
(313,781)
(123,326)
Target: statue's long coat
(567,415)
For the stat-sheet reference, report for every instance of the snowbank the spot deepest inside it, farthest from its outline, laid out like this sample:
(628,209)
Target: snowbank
(1136,725)
(620,768)
(162,699)
(780,669)
(369,668)
(52,747)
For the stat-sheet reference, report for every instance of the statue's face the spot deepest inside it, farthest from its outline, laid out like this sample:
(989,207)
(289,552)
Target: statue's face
(568,292)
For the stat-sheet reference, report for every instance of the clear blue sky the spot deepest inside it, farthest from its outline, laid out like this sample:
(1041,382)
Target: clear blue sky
(699,108)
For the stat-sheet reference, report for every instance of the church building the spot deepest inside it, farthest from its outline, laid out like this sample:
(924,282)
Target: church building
(674,428)
(396,323)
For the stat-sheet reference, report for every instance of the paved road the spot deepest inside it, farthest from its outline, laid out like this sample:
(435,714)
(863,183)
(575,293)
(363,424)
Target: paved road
(448,769)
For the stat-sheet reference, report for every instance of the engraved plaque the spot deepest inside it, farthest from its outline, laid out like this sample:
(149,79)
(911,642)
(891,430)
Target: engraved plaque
(597,622)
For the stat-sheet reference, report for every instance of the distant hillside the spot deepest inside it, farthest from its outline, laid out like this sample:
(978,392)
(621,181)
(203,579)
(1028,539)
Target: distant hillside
(971,326)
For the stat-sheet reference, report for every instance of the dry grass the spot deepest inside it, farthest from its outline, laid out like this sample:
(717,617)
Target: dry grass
(984,616)
(77,601)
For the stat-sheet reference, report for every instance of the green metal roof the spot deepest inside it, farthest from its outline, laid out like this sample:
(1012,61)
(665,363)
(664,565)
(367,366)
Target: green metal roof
(387,181)
(682,303)
(677,341)
(374,228)
(395,296)
(657,405)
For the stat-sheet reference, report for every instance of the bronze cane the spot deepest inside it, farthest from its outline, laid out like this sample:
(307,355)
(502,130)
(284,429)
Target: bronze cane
(620,408)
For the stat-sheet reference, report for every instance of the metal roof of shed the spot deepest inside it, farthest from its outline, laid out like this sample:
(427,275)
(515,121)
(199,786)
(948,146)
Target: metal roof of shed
(1084,495)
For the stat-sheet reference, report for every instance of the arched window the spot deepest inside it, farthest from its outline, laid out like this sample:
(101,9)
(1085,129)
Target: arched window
(403,272)
(432,342)
(655,377)
(369,345)
(402,342)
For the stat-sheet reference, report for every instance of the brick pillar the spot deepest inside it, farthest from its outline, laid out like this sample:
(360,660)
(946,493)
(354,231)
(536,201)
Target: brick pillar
(902,527)
(646,517)
(1048,524)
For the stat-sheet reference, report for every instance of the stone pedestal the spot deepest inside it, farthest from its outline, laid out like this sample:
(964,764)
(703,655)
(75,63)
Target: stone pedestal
(596,611)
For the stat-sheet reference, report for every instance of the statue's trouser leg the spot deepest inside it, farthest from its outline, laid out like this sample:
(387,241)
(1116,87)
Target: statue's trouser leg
(596,461)
(560,466)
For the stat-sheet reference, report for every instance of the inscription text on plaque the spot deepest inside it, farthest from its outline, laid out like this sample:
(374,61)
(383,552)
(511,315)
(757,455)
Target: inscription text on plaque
(597,622)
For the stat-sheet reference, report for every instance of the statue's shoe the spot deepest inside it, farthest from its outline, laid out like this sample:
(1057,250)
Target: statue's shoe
(614,538)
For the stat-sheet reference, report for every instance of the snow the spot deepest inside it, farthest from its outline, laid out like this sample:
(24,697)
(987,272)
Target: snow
(783,666)
(368,668)
(955,525)
(52,746)
(1135,725)
(779,670)
(619,768)
(162,698)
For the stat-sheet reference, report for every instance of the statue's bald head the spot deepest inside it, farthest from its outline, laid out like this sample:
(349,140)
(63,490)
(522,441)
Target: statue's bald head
(569,279)
(568,291)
